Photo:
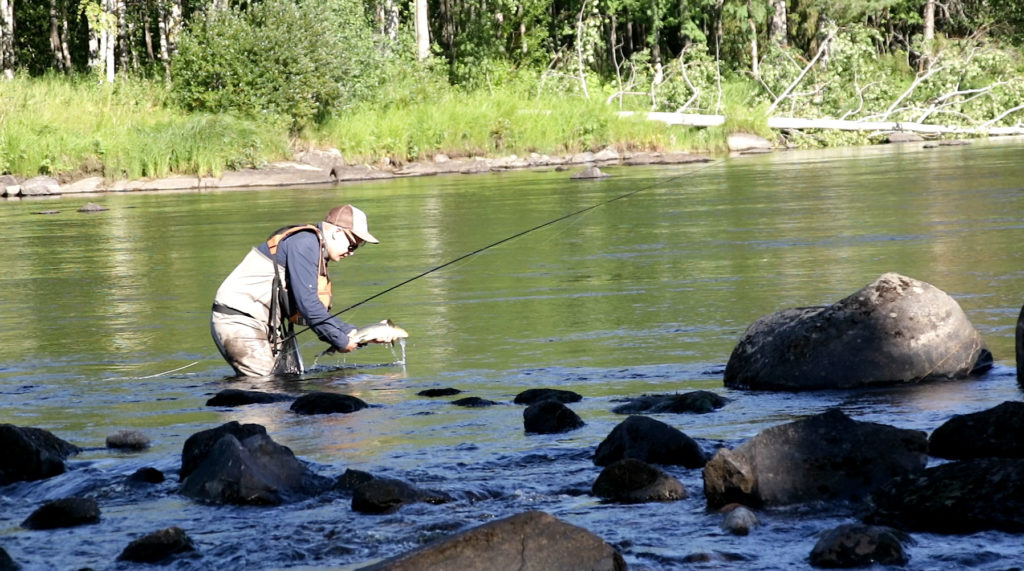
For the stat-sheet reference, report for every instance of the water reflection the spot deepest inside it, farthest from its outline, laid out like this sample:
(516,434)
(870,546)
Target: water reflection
(107,329)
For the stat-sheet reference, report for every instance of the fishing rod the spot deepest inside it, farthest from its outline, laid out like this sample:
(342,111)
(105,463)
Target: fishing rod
(502,241)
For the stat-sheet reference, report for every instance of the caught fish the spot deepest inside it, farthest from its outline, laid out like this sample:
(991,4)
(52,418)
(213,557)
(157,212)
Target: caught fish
(385,329)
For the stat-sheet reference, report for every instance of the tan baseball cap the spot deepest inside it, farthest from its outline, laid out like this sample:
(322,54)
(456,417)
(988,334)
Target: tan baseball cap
(352,219)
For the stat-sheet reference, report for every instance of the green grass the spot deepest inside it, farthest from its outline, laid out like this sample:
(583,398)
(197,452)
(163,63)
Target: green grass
(494,124)
(72,127)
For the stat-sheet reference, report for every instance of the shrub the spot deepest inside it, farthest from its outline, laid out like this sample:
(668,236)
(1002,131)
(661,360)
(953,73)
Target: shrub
(298,59)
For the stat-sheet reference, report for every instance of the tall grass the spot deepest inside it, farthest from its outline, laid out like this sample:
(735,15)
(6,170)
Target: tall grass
(71,127)
(483,123)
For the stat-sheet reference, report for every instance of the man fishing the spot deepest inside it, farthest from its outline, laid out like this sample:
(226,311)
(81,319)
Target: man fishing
(281,282)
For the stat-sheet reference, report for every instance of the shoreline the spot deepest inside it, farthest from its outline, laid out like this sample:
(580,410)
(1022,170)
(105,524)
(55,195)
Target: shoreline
(328,167)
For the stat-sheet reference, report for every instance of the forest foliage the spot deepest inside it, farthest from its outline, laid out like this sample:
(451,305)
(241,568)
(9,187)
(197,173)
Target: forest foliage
(338,71)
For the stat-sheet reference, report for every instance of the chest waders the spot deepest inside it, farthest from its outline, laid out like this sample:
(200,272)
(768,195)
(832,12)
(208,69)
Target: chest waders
(283,316)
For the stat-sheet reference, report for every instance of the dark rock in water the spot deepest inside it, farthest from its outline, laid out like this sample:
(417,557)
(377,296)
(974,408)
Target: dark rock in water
(589,173)
(1019,347)
(445,392)
(65,512)
(386,495)
(530,540)
(694,401)
(351,480)
(824,457)
(738,519)
(965,496)
(319,402)
(996,432)
(128,440)
(31,454)
(147,475)
(855,545)
(649,440)
(633,481)
(238,397)
(473,402)
(533,396)
(253,471)
(550,417)
(92,207)
(158,546)
(7,563)
(894,330)
(198,446)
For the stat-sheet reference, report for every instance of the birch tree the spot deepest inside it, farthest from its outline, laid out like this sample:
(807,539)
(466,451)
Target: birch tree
(7,38)
(422,30)
(170,22)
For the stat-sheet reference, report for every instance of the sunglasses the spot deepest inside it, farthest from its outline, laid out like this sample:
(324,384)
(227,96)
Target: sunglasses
(353,242)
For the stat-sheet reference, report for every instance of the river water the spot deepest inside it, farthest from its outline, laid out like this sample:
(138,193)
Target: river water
(105,327)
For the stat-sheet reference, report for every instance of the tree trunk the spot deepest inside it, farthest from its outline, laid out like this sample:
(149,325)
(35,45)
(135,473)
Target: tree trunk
(754,67)
(778,32)
(147,33)
(58,56)
(929,20)
(7,38)
(422,30)
(170,24)
(387,19)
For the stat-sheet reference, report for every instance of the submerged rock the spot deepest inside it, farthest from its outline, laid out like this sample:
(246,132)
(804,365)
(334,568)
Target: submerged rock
(158,546)
(550,417)
(894,330)
(965,496)
(824,457)
(239,397)
(855,545)
(695,401)
(634,481)
(473,402)
(996,432)
(65,512)
(739,520)
(7,563)
(530,540)
(387,495)
(589,173)
(319,402)
(31,454)
(649,440)
(445,392)
(128,440)
(534,396)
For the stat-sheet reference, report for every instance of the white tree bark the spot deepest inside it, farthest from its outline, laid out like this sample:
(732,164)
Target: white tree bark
(422,30)
(7,38)
(778,31)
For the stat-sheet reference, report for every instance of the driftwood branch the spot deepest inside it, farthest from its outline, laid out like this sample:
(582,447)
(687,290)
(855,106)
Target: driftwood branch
(800,77)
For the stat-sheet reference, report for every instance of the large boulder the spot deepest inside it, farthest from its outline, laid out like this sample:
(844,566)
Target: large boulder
(197,447)
(158,547)
(998,431)
(31,454)
(965,496)
(534,396)
(894,330)
(824,457)
(649,440)
(320,402)
(530,540)
(40,186)
(1018,347)
(252,471)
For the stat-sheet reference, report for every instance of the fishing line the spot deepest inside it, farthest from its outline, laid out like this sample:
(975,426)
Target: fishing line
(482,249)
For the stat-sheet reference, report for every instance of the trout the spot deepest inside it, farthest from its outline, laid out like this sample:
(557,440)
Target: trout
(385,329)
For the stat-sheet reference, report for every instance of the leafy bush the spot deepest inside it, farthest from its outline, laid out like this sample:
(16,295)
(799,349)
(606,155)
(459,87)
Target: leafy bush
(298,59)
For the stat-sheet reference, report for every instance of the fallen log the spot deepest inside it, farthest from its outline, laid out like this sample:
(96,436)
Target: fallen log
(697,120)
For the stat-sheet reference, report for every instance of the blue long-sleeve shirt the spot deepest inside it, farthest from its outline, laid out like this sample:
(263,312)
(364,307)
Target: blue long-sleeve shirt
(300,255)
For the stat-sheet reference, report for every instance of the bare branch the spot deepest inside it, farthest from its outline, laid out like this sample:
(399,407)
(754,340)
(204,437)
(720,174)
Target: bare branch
(800,78)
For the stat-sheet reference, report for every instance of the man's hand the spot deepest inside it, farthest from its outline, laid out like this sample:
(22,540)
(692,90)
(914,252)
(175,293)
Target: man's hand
(352,346)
